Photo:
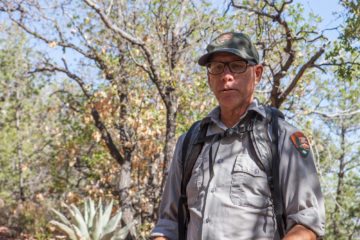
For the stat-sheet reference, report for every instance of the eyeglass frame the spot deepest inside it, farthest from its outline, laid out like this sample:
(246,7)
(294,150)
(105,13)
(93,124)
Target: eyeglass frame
(226,64)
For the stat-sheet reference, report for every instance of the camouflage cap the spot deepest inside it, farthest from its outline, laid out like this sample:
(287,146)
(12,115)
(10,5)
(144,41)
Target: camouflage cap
(231,42)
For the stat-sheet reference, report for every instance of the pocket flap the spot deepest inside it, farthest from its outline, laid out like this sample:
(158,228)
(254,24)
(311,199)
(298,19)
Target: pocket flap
(247,165)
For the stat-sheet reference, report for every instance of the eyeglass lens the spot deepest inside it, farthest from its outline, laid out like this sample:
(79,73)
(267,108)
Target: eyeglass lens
(235,67)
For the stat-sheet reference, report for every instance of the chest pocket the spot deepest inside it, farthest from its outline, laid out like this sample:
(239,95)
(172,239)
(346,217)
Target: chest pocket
(249,186)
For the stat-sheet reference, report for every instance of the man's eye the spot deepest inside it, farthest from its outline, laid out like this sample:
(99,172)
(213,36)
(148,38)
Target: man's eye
(216,66)
(238,65)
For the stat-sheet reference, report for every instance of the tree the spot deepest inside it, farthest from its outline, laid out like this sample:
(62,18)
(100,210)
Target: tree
(135,85)
(290,44)
(338,154)
(21,141)
(340,110)
(123,57)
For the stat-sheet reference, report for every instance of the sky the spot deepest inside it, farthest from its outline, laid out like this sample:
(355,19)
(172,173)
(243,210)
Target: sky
(328,10)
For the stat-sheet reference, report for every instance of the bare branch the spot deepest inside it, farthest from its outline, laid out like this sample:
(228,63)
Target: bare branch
(300,73)
(52,68)
(329,29)
(284,5)
(112,26)
(288,48)
(180,22)
(108,10)
(320,68)
(142,66)
(11,8)
(49,41)
(106,136)
(285,63)
(227,9)
(336,115)
(252,10)
(339,64)
(352,167)
(154,75)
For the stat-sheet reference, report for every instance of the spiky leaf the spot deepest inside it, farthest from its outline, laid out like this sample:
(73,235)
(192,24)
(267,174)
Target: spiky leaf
(92,212)
(74,228)
(111,225)
(80,222)
(97,225)
(61,217)
(67,230)
(86,212)
(107,214)
(121,233)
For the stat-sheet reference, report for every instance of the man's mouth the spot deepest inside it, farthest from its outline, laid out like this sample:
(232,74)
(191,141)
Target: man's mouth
(227,90)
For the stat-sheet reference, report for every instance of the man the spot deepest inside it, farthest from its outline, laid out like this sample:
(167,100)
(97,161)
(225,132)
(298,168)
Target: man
(228,194)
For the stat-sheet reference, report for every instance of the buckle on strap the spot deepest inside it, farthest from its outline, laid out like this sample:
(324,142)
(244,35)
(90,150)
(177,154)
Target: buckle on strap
(230,132)
(238,130)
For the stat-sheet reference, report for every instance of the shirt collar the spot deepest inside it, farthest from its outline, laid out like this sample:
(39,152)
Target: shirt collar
(214,115)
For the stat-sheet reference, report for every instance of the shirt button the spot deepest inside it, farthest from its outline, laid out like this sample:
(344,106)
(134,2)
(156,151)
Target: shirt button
(207,220)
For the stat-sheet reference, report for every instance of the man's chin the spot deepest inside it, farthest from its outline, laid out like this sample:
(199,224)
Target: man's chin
(233,102)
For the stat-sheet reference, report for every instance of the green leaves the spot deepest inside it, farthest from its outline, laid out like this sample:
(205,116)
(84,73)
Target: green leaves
(66,229)
(93,224)
(352,29)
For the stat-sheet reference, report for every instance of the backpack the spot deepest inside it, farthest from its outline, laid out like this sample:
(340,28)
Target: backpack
(267,159)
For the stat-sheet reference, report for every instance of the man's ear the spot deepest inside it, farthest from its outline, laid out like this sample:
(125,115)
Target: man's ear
(259,69)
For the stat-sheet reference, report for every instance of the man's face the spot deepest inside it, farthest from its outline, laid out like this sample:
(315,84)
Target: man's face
(234,90)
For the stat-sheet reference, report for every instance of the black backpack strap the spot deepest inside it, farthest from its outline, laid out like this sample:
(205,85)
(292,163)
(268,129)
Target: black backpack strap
(275,186)
(191,148)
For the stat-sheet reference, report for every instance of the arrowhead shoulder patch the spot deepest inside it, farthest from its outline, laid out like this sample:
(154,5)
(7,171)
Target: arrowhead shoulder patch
(301,143)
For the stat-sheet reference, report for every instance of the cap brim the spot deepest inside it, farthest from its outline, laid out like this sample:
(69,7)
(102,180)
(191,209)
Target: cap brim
(204,59)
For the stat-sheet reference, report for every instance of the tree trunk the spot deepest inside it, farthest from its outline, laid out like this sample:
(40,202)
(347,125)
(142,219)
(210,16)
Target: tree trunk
(19,152)
(340,186)
(125,199)
(170,141)
(126,135)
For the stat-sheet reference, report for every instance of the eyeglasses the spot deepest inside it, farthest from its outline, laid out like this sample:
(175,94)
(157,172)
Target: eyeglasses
(216,68)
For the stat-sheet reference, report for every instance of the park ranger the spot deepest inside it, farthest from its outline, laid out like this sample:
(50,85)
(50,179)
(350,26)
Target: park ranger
(232,192)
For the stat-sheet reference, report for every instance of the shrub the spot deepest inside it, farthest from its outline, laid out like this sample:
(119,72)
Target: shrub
(93,224)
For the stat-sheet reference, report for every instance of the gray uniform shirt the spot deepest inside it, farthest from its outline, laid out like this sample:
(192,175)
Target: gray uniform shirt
(236,203)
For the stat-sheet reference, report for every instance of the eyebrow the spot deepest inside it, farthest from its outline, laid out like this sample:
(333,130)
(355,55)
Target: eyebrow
(239,60)
(212,59)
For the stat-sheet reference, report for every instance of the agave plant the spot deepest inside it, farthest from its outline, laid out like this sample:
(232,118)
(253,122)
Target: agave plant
(94,224)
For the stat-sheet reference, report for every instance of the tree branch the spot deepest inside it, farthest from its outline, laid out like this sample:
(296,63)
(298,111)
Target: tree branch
(105,134)
(336,115)
(252,10)
(300,73)
(49,41)
(52,68)
(154,75)
(339,64)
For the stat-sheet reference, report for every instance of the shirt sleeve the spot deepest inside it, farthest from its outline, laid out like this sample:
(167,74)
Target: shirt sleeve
(303,200)
(168,211)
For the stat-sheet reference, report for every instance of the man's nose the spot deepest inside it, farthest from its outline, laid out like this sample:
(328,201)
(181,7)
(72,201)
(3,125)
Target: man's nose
(227,75)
